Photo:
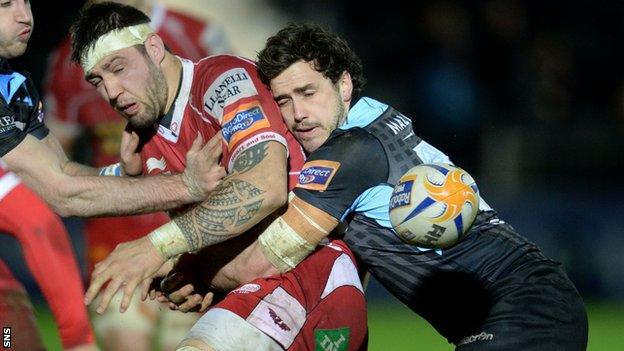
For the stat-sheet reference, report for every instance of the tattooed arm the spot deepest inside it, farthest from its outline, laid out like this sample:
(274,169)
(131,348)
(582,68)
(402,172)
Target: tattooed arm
(256,188)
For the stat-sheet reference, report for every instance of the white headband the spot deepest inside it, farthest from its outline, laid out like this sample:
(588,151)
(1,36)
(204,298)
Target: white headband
(112,41)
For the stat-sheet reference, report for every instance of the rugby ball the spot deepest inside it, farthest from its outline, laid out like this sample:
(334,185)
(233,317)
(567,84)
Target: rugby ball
(433,205)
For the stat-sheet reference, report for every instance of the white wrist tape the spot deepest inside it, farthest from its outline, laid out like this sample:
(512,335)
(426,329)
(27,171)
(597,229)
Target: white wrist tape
(282,246)
(111,170)
(112,41)
(169,240)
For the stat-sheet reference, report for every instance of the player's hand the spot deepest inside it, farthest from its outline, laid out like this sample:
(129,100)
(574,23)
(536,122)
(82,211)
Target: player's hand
(126,267)
(203,172)
(182,288)
(152,284)
(129,153)
(186,299)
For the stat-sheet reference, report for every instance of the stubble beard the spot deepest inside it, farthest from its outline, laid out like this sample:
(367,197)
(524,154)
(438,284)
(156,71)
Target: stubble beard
(156,96)
(335,122)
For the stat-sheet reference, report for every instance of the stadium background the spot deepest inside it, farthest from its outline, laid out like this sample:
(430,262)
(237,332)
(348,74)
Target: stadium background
(528,96)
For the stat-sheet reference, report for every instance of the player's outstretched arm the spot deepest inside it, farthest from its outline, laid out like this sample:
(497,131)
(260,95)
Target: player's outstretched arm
(42,168)
(282,245)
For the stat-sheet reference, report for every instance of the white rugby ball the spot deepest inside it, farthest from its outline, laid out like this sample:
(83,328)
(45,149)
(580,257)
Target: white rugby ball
(433,205)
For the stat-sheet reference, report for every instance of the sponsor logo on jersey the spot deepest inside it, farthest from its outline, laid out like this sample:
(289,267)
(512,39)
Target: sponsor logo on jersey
(316,175)
(229,87)
(278,320)
(331,339)
(153,163)
(401,194)
(253,141)
(483,336)
(7,123)
(242,122)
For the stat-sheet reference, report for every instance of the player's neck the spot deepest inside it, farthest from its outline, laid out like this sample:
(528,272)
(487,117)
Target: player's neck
(173,76)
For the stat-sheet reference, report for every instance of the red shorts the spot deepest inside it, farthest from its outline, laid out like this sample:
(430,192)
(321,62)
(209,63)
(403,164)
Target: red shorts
(318,305)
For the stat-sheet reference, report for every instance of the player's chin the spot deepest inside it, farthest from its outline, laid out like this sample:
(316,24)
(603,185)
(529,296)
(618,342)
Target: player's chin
(140,121)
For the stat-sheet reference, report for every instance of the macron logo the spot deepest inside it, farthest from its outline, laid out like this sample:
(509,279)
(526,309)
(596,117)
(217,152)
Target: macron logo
(152,163)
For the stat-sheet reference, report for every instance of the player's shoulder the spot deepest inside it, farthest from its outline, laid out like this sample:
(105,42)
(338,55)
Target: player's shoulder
(226,69)
(225,61)
(352,138)
(353,145)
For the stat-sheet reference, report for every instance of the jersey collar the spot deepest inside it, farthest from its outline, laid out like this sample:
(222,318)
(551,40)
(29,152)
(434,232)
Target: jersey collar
(169,126)
(363,113)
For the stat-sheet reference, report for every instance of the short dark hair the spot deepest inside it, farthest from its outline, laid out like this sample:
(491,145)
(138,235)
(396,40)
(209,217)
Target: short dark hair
(330,54)
(98,18)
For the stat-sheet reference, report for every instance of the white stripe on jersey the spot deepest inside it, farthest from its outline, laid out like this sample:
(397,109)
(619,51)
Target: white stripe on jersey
(255,140)
(7,183)
(343,273)
(180,103)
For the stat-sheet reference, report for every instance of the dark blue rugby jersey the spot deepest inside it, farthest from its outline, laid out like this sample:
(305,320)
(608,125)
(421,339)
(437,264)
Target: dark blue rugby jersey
(355,171)
(21,110)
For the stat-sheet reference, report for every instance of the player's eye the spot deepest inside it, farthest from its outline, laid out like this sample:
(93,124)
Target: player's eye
(95,82)
(282,102)
(308,93)
(118,69)
(5,4)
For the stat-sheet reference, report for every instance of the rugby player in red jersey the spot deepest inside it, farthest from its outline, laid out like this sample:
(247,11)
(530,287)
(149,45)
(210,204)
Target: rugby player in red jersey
(167,101)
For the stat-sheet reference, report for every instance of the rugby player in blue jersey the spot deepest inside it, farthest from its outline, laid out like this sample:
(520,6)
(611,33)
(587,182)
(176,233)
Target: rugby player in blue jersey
(494,290)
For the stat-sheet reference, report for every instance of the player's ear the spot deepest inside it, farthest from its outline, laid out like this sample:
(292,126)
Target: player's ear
(346,86)
(155,48)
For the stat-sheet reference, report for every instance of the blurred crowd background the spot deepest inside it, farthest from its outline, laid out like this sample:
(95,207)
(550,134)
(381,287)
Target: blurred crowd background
(527,96)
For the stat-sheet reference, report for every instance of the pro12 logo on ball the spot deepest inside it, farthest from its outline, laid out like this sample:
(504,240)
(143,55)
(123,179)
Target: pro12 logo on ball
(433,205)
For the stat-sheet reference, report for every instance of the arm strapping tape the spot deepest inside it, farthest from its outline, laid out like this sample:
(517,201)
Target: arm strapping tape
(169,240)
(283,247)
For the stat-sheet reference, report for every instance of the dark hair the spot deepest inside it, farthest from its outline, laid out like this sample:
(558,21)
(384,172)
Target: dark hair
(98,18)
(309,42)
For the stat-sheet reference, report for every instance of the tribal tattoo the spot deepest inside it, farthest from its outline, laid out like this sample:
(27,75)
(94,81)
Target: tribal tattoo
(250,158)
(232,204)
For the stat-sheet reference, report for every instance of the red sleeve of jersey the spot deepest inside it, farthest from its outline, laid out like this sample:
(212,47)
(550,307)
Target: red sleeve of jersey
(233,95)
(49,257)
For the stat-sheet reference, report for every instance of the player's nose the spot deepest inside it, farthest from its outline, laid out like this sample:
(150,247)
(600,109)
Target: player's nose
(299,111)
(113,89)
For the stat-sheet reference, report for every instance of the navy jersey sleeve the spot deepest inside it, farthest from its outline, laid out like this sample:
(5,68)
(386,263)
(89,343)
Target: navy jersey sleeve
(341,169)
(10,134)
(35,126)
(21,113)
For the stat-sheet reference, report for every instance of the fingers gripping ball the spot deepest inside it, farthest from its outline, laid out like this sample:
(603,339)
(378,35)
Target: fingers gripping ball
(433,205)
